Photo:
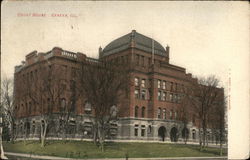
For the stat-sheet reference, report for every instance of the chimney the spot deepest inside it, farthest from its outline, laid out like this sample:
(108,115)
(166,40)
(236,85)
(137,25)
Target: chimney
(167,53)
(132,38)
(100,52)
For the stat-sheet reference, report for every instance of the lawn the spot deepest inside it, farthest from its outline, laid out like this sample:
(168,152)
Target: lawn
(79,149)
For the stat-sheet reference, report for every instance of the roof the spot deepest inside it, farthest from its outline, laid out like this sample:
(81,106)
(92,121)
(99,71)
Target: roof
(142,42)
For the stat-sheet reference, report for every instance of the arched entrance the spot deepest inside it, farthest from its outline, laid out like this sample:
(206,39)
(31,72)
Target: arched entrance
(173,134)
(162,133)
(185,134)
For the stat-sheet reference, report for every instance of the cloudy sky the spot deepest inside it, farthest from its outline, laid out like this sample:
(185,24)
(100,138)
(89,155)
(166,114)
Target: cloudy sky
(204,37)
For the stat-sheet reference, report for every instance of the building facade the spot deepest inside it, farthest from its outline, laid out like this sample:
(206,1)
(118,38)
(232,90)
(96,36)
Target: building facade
(151,111)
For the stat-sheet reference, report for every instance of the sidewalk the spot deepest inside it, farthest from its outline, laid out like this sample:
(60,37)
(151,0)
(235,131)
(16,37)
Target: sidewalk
(163,158)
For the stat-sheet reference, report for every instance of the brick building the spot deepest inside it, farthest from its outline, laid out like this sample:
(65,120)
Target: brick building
(153,103)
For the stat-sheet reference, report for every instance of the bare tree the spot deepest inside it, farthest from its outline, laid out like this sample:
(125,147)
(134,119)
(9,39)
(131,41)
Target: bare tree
(7,103)
(218,120)
(184,115)
(45,91)
(103,85)
(204,96)
(68,108)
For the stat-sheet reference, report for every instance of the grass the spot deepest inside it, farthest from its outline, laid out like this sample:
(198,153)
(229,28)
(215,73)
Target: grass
(79,149)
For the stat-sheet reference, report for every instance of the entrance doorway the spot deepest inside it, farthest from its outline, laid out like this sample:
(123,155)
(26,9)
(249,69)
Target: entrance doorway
(162,133)
(173,135)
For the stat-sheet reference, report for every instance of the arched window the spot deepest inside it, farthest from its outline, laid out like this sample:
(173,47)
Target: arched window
(113,111)
(63,103)
(159,113)
(136,111)
(143,112)
(87,107)
(164,114)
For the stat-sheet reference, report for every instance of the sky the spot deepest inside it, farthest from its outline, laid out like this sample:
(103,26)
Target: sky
(206,38)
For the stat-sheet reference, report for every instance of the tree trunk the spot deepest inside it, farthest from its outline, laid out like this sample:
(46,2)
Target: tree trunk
(221,149)
(101,137)
(200,140)
(204,135)
(42,141)
(12,132)
(43,133)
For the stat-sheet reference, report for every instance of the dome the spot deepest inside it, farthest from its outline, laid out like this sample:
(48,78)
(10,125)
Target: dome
(141,42)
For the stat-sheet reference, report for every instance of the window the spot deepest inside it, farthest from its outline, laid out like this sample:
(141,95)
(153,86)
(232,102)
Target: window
(176,86)
(179,98)
(164,114)
(72,85)
(136,111)
(164,85)
(171,97)
(174,98)
(149,95)
(143,94)
(143,112)
(64,69)
(143,83)
(48,102)
(63,103)
(159,113)
(73,72)
(171,114)
(87,107)
(137,94)
(182,88)
(137,59)
(136,130)
(159,83)
(164,96)
(34,104)
(175,115)
(33,127)
(143,130)
(31,75)
(149,129)
(159,95)
(136,82)
(142,61)
(26,109)
(193,119)
(30,107)
(171,86)
(113,111)
(122,59)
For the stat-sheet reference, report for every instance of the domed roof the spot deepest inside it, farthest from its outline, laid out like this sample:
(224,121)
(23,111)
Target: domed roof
(141,42)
